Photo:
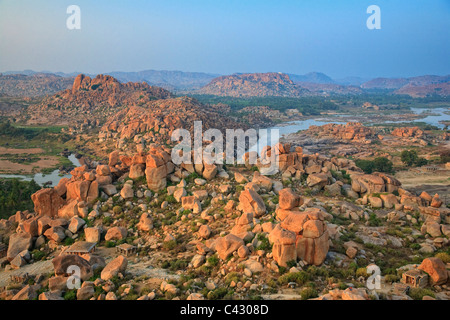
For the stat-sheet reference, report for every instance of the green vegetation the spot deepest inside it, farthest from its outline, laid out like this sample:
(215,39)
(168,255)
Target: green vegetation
(377,165)
(298,277)
(308,293)
(15,195)
(419,293)
(410,158)
(306,105)
(445,156)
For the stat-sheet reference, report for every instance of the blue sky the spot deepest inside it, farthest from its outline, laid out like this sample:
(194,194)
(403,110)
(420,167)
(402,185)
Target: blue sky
(228,36)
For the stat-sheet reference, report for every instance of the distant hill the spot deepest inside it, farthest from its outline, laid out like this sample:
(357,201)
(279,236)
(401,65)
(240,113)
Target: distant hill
(312,77)
(416,87)
(351,81)
(32,84)
(397,83)
(91,99)
(421,91)
(253,85)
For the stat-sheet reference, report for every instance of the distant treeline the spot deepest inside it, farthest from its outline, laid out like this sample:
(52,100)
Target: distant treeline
(9,130)
(306,105)
(316,104)
(15,195)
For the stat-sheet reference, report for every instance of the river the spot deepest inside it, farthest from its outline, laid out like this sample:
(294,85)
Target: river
(437,116)
(41,178)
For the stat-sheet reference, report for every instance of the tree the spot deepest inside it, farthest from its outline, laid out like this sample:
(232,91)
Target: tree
(379,164)
(411,158)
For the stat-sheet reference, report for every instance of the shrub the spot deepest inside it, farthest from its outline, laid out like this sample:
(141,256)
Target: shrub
(298,277)
(419,293)
(117,209)
(445,257)
(362,272)
(217,294)
(169,245)
(308,293)
(213,261)
(379,164)
(70,295)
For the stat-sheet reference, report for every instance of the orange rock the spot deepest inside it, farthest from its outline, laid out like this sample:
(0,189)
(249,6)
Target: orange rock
(225,246)
(47,202)
(436,270)
(288,199)
(436,202)
(251,202)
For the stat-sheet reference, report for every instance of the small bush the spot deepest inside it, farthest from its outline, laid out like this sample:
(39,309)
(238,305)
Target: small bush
(170,245)
(445,257)
(298,277)
(70,295)
(308,293)
(419,293)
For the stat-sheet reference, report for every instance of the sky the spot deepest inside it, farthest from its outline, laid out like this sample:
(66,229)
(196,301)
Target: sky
(228,36)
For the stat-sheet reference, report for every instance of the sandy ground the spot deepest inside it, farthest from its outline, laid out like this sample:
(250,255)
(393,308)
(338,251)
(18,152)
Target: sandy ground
(9,167)
(4,150)
(431,182)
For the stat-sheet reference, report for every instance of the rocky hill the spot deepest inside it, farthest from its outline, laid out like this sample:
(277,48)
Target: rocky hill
(91,99)
(253,84)
(312,77)
(34,85)
(140,227)
(418,91)
(156,120)
(397,83)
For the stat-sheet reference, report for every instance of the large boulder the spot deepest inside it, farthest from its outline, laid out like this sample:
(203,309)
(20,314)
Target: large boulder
(116,233)
(27,293)
(284,249)
(18,242)
(156,178)
(76,224)
(436,270)
(92,234)
(251,202)
(145,222)
(389,200)
(367,183)
(311,234)
(70,210)
(78,190)
(112,269)
(65,262)
(137,171)
(56,234)
(127,191)
(288,199)
(47,202)
(225,246)
(317,180)
(31,226)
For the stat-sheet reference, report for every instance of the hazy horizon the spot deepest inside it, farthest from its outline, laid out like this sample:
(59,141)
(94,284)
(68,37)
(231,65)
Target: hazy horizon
(227,38)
